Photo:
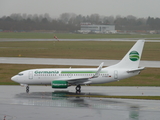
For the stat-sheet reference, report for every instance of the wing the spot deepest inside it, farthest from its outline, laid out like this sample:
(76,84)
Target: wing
(84,80)
(87,80)
(79,81)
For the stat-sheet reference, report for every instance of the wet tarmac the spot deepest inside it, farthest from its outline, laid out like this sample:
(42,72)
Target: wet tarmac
(44,103)
(58,61)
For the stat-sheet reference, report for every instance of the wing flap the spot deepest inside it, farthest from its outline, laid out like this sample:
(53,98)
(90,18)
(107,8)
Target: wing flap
(79,80)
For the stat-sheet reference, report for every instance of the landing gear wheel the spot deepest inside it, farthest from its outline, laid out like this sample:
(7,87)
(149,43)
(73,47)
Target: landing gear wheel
(78,88)
(27,89)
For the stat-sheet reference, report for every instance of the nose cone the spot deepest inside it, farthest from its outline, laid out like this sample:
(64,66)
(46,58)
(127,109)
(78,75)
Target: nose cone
(14,78)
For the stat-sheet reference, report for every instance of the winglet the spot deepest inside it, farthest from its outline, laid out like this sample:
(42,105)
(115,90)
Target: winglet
(98,71)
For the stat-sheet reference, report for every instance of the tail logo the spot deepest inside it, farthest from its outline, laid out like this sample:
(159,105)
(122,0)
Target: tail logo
(134,56)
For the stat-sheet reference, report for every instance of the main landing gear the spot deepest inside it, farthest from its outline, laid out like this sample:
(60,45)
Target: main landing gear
(27,89)
(78,89)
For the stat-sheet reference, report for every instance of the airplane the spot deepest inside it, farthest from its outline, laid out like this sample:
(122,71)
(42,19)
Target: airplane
(62,78)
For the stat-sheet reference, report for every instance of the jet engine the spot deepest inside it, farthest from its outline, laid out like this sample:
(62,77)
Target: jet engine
(59,84)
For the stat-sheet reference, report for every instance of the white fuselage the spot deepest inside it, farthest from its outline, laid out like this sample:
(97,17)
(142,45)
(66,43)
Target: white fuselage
(46,76)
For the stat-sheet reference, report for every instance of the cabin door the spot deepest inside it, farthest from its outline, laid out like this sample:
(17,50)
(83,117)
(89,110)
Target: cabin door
(115,74)
(30,74)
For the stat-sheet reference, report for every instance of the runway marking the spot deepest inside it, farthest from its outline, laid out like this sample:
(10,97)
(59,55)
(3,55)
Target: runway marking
(58,61)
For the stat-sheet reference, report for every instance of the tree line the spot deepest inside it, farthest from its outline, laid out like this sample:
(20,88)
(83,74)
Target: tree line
(71,22)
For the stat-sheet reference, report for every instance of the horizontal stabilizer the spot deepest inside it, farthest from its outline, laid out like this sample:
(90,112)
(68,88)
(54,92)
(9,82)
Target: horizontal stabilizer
(134,70)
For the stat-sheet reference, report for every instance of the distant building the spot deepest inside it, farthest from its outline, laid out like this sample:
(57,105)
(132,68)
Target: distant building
(87,28)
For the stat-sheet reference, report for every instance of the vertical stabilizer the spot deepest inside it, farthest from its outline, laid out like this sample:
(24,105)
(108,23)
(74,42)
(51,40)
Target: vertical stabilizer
(132,58)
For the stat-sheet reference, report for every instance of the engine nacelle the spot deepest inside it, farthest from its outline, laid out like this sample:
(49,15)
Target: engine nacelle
(59,84)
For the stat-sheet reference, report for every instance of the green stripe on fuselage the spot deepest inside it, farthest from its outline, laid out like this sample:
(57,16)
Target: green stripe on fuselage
(75,72)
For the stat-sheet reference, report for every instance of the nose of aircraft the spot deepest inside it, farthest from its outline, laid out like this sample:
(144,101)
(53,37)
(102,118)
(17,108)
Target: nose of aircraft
(14,78)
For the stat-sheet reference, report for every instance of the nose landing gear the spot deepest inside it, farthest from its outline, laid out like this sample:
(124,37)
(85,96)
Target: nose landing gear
(27,89)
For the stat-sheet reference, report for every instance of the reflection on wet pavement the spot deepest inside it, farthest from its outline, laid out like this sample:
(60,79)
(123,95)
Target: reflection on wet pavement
(69,99)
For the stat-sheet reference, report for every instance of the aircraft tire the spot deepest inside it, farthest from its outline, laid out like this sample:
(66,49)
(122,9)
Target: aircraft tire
(27,89)
(78,88)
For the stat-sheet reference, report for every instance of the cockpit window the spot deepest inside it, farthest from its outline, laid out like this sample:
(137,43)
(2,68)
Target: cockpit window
(20,74)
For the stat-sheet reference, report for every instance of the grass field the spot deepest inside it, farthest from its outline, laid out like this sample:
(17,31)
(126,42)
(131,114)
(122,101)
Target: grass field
(31,35)
(73,49)
(148,77)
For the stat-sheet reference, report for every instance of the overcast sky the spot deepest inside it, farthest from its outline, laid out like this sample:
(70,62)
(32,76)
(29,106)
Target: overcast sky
(138,8)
